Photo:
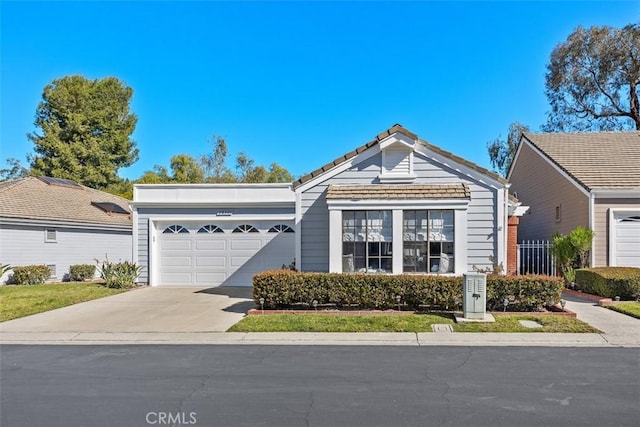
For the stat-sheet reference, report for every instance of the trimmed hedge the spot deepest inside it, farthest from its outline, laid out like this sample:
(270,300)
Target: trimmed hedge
(287,289)
(81,272)
(30,274)
(609,281)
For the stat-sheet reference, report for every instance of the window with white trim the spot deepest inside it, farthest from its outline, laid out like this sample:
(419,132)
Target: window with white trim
(428,241)
(280,228)
(175,229)
(210,228)
(245,228)
(50,235)
(367,241)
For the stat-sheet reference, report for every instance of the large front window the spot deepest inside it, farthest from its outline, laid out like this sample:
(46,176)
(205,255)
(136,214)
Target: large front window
(428,241)
(367,241)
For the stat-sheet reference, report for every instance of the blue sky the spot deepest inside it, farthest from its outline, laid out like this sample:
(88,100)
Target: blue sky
(297,83)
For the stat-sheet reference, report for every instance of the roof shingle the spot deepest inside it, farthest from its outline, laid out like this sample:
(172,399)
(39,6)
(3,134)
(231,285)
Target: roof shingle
(397,191)
(596,160)
(32,198)
(396,129)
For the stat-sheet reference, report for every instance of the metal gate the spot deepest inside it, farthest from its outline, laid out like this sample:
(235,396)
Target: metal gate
(535,257)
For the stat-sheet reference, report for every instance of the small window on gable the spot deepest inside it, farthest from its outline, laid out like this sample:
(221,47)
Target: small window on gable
(50,235)
(558,213)
(280,228)
(210,229)
(175,229)
(245,228)
(396,161)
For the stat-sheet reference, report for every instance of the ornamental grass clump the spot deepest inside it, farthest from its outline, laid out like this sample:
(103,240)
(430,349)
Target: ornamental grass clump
(119,275)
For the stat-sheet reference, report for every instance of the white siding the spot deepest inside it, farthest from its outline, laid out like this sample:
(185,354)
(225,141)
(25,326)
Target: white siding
(25,245)
(482,218)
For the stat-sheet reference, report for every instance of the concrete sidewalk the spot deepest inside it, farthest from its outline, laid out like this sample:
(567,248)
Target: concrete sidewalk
(617,329)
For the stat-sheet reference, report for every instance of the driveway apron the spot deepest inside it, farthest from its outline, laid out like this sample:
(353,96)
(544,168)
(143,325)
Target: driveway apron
(147,309)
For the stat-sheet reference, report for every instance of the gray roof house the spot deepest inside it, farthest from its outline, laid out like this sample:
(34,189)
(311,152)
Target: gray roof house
(394,205)
(59,223)
(582,179)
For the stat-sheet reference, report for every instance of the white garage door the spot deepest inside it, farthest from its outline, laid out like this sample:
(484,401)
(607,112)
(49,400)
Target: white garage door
(229,254)
(627,240)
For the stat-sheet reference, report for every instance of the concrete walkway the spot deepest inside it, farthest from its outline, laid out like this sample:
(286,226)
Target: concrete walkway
(618,329)
(188,316)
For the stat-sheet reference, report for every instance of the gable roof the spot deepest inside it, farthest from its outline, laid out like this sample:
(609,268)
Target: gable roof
(395,191)
(34,198)
(392,130)
(595,160)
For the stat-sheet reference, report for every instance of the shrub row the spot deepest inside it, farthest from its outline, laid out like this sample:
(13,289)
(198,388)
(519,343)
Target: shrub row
(287,289)
(30,274)
(81,272)
(609,281)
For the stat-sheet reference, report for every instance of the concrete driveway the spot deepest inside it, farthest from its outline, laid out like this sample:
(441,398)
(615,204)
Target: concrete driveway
(147,309)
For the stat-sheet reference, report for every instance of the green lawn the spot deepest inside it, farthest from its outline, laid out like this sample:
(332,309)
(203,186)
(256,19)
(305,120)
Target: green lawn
(24,300)
(407,323)
(630,308)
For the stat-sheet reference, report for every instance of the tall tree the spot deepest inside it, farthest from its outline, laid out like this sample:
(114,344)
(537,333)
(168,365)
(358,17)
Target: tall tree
(85,131)
(14,170)
(213,164)
(592,80)
(186,169)
(502,152)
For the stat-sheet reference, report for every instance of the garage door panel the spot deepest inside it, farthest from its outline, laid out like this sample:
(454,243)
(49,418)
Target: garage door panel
(237,261)
(245,245)
(211,261)
(175,261)
(211,243)
(175,244)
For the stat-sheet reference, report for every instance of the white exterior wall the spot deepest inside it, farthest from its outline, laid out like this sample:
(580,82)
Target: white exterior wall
(22,245)
(481,216)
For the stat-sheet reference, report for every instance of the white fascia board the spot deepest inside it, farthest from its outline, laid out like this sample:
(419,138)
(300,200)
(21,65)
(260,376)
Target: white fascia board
(555,167)
(218,219)
(374,204)
(298,231)
(220,194)
(397,138)
(616,194)
(347,164)
(64,224)
(463,170)
(207,204)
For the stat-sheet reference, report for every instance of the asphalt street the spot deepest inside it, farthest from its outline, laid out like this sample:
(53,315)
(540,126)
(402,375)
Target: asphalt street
(128,385)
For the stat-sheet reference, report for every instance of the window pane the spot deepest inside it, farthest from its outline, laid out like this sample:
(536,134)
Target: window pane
(386,249)
(386,264)
(348,248)
(374,249)
(360,249)
(447,217)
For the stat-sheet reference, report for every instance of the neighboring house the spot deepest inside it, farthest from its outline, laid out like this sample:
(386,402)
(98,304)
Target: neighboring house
(58,223)
(394,205)
(582,179)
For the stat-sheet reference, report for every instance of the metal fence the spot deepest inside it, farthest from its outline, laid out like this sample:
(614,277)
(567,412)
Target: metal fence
(535,257)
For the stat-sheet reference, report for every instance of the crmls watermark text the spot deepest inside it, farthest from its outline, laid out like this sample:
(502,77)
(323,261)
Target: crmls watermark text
(171,418)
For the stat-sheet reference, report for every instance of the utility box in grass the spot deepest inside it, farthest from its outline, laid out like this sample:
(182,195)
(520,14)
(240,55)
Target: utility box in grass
(474,295)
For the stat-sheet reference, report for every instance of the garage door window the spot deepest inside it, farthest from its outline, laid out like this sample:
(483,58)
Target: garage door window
(210,229)
(280,228)
(175,229)
(245,228)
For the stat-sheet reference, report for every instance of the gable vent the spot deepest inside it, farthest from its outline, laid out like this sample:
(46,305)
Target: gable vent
(396,161)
